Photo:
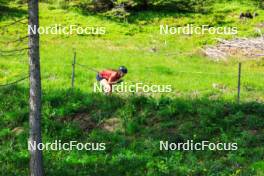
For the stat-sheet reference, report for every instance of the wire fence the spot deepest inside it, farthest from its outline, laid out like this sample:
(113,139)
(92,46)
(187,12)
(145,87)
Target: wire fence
(14,82)
(24,77)
(236,76)
(16,51)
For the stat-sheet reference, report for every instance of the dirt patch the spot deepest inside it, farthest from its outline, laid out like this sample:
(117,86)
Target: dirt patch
(87,124)
(18,130)
(240,47)
(112,124)
(83,120)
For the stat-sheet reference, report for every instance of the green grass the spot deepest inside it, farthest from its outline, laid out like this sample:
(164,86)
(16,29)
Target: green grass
(133,149)
(130,43)
(193,110)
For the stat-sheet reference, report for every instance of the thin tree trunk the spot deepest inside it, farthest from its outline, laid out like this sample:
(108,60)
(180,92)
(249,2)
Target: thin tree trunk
(36,165)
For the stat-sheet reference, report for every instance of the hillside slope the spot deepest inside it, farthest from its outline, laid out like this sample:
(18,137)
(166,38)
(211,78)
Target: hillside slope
(135,127)
(201,106)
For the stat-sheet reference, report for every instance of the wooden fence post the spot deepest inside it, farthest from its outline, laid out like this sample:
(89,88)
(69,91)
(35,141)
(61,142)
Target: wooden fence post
(239,82)
(73,69)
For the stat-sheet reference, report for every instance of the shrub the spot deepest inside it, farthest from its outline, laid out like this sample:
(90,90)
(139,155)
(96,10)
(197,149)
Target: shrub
(102,5)
(118,13)
(63,4)
(174,5)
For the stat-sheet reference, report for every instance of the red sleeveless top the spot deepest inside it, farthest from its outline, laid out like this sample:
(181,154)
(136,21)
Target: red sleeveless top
(110,75)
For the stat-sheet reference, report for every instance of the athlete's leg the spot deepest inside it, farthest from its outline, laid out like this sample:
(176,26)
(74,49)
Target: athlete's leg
(106,86)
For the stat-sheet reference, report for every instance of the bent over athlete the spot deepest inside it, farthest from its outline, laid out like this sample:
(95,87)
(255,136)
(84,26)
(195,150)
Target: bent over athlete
(109,77)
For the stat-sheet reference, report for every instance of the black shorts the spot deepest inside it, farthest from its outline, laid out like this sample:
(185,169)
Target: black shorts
(98,77)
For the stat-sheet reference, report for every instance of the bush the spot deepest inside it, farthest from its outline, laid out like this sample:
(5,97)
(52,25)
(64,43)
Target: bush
(102,5)
(173,5)
(118,13)
(63,4)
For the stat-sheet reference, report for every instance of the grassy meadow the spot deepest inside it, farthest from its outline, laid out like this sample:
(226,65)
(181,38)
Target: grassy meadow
(201,106)
(177,61)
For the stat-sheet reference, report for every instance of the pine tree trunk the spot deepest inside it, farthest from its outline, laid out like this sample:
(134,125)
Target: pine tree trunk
(36,165)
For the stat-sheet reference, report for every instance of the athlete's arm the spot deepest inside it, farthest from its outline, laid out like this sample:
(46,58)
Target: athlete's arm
(112,79)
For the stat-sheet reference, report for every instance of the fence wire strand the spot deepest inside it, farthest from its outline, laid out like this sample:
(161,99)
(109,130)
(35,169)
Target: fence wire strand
(15,82)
